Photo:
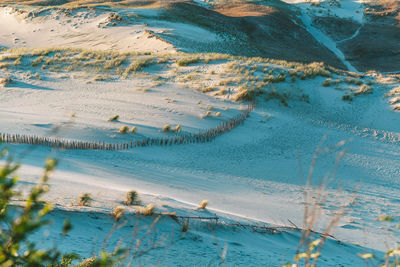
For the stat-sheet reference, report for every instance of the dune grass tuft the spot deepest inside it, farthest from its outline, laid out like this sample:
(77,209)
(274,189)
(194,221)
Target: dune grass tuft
(114,118)
(166,128)
(118,212)
(5,81)
(363,90)
(203,204)
(187,61)
(177,128)
(123,129)
(149,210)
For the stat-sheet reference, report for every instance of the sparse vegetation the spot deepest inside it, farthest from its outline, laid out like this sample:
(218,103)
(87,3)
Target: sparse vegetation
(327,82)
(187,61)
(4,82)
(177,128)
(85,199)
(149,210)
(132,198)
(350,80)
(347,97)
(123,129)
(363,90)
(394,92)
(166,128)
(118,212)
(114,118)
(185,226)
(282,97)
(138,65)
(305,98)
(245,94)
(203,204)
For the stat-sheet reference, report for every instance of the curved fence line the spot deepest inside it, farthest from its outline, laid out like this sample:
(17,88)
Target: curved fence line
(201,137)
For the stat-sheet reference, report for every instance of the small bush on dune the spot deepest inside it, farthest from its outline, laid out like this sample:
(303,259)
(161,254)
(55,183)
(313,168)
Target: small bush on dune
(132,198)
(203,204)
(166,128)
(84,199)
(245,94)
(133,129)
(218,114)
(113,118)
(123,129)
(177,128)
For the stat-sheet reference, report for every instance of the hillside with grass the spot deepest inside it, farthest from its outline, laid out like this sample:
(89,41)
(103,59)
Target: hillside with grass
(199,133)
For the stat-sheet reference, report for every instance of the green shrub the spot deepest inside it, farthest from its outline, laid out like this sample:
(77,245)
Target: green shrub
(132,198)
(84,199)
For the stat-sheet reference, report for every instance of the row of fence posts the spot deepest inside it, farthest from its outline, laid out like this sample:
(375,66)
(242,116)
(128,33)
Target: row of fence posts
(201,137)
